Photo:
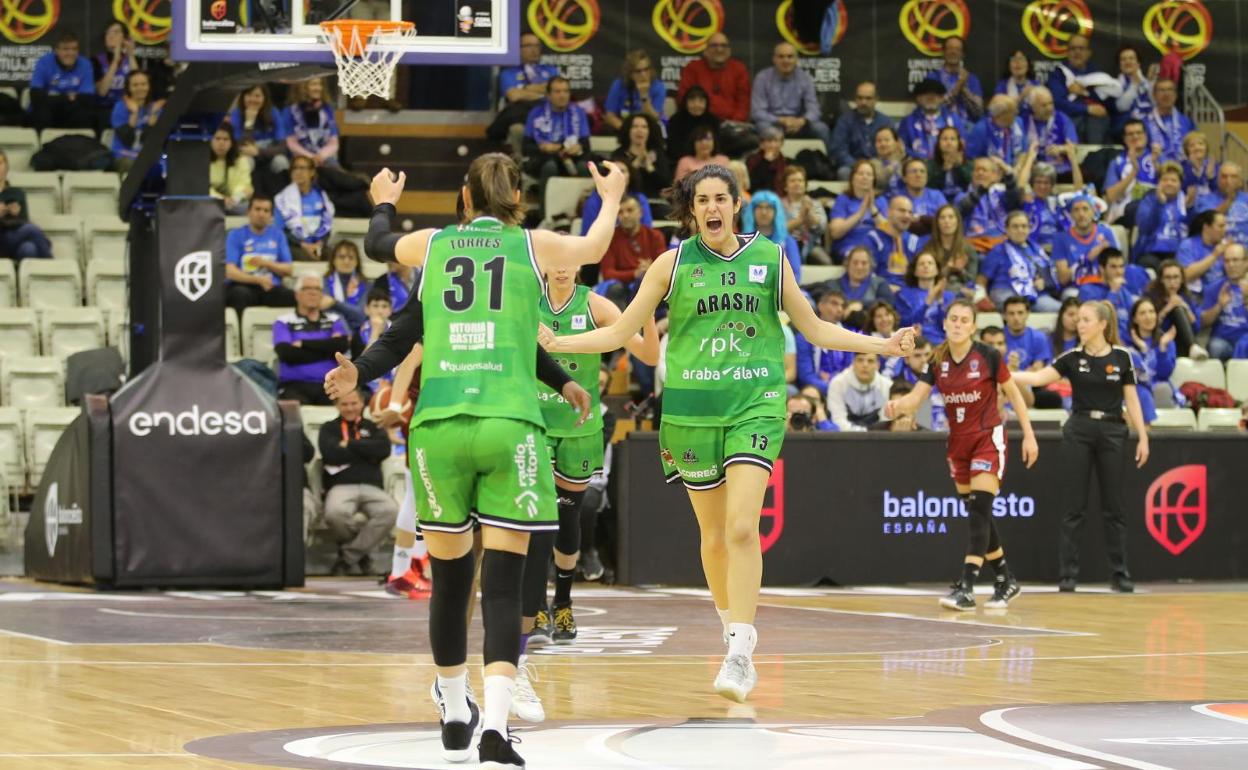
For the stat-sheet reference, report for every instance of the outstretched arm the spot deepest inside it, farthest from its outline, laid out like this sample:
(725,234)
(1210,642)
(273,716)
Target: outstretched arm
(1036,379)
(645,345)
(908,403)
(830,336)
(653,289)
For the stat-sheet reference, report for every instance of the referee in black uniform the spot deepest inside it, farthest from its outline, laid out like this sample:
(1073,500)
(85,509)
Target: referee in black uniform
(1102,380)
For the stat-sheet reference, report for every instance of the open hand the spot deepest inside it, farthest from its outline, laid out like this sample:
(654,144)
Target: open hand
(580,400)
(341,379)
(610,185)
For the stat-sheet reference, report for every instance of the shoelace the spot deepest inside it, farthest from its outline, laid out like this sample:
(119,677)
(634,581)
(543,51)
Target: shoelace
(563,619)
(525,676)
(541,620)
(739,667)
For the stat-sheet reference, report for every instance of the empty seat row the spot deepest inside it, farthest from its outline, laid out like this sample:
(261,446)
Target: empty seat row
(44,284)
(84,239)
(80,193)
(27,438)
(58,333)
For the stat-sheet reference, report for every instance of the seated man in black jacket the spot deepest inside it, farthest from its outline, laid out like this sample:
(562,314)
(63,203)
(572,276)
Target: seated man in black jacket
(305,342)
(352,450)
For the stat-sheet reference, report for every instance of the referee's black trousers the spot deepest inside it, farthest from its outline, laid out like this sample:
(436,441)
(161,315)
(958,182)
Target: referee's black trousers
(1089,444)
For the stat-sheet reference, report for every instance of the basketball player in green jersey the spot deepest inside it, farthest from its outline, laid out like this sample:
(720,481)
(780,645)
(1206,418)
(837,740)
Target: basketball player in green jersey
(576,454)
(477,443)
(724,399)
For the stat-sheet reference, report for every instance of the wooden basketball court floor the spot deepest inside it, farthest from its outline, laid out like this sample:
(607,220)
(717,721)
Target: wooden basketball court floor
(337,676)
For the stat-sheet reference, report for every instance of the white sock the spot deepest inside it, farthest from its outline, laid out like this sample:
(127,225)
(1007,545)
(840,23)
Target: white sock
(406,524)
(723,618)
(401,562)
(420,550)
(498,692)
(455,695)
(741,639)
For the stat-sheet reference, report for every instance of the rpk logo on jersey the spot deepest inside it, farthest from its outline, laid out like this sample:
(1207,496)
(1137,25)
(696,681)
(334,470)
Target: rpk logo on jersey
(758,273)
(192,276)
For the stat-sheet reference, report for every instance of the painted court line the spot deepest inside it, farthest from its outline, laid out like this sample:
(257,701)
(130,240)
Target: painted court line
(995,720)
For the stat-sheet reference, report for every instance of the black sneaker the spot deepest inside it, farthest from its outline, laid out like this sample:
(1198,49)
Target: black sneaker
(565,624)
(590,566)
(1002,592)
(1066,585)
(1122,583)
(543,628)
(961,598)
(457,736)
(496,752)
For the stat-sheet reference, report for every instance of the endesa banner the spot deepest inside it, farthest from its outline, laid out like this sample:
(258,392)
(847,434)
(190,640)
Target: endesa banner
(895,43)
(881,508)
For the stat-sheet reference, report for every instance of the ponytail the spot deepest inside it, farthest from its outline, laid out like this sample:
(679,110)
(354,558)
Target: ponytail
(493,179)
(681,193)
(1106,312)
(942,349)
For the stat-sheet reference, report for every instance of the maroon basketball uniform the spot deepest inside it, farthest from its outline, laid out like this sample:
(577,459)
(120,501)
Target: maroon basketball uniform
(969,387)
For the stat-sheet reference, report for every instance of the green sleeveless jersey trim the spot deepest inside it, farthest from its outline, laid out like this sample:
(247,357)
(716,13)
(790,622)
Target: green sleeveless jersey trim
(479,290)
(575,317)
(725,350)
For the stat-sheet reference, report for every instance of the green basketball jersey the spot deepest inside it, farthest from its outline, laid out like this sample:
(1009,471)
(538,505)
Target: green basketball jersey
(725,350)
(575,317)
(480,289)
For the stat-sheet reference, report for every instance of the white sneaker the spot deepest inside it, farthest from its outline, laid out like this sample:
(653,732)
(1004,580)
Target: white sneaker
(736,678)
(525,704)
(1197,353)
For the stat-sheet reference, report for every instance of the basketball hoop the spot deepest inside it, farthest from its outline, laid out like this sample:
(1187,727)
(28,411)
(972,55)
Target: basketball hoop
(366,53)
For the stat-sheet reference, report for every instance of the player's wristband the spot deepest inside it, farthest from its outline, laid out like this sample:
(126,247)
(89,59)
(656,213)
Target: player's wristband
(380,242)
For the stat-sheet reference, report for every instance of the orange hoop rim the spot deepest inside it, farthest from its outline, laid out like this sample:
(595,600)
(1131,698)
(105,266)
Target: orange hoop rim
(339,32)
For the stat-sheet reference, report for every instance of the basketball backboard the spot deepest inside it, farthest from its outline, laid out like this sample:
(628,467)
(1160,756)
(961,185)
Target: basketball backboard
(276,31)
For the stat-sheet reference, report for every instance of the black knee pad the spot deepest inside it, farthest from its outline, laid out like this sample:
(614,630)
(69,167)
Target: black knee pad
(501,572)
(994,537)
(533,596)
(568,541)
(452,586)
(979,506)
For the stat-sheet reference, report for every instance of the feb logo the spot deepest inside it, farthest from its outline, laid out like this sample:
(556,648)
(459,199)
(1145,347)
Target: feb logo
(25,21)
(1176,507)
(835,22)
(1182,26)
(928,23)
(149,21)
(687,25)
(1049,24)
(564,25)
(773,514)
(193,274)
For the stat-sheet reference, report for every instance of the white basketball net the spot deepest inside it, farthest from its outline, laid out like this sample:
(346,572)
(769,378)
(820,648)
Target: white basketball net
(365,66)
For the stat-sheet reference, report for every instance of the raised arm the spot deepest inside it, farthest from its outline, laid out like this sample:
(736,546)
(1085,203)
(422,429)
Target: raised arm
(830,336)
(555,250)
(645,345)
(654,286)
(382,243)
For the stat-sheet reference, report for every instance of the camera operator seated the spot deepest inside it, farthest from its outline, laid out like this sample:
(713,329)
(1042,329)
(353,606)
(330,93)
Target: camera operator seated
(806,415)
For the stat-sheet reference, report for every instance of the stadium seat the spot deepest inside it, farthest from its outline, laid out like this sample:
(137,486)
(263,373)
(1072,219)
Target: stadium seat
(1209,372)
(257,327)
(603,145)
(233,222)
(32,381)
(319,269)
(1047,417)
(107,283)
(563,194)
(986,319)
(1237,378)
(352,229)
(1045,322)
(43,429)
(43,192)
(313,418)
(90,192)
(233,349)
(49,134)
(19,332)
(792,147)
(895,110)
(12,447)
(1174,419)
(827,184)
(371,268)
(394,475)
(1219,419)
(105,237)
(50,283)
(66,331)
(1120,233)
(18,145)
(8,283)
(821,273)
(65,233)
(117,323)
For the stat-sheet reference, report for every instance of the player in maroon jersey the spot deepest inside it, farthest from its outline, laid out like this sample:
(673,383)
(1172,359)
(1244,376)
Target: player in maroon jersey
(967,374)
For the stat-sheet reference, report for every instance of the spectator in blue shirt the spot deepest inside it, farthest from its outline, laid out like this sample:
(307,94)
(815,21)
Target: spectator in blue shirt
(760,214)
(892,244)
(1076,250)
(1161,219)
(1030,345)
(920,129)
(854,135)
(556,135)
(999,134)
(964,95)
(1018,269)
(260,130)
(593,204)
(1137,164)
(345,286)
(993,194)
(1073,97)
(313,132)
(257,257)
(1136,99)
(1200,172)
(1176,307)
(19,237)
(924,300)
(522,88)
(1019,80)
(378,310)
(62,88)
(1044,210)
(305,342)
(1201,254)
(816,366)
(1166,125)
(132,115)
(1051,132)
(949,170)
(924,201)
(636,90)
(305,211)
(1223,307)
(859,284)
(854,214)
(111,66)
(783,95)
(1153,352)
(1229,199)
(400,282)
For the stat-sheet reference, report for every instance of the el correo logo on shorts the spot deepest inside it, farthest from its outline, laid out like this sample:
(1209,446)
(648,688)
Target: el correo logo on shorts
(193,422)
(192,275)
(422,468)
